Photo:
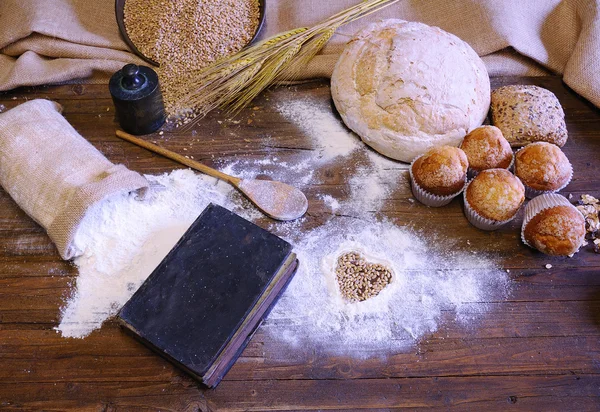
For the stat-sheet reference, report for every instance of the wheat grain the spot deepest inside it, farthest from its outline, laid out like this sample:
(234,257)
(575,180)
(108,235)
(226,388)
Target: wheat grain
(359,280)
(277,56)
(187,35)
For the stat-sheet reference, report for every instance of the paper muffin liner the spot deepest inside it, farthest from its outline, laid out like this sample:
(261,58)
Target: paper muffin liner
(472,174)
(511,166)
(429,199)
(538,204)
(479,221)
(531,193)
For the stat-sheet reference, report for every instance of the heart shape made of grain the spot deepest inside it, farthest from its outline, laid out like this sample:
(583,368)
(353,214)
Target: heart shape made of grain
(359,279)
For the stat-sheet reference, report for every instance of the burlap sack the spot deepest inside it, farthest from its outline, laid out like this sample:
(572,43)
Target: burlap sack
(53,41)
(53,173)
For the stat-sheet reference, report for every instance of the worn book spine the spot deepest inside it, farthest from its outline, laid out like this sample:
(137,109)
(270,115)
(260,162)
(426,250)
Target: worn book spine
(240,340)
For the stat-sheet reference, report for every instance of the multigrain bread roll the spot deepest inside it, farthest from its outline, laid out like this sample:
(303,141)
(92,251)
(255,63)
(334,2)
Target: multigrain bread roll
(406,87)
(527,114)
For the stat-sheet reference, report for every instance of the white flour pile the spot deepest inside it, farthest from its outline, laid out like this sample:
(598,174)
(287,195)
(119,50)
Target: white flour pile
(124,239)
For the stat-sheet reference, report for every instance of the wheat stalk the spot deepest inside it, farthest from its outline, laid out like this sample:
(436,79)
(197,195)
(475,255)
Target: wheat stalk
(310,50)
(231,83)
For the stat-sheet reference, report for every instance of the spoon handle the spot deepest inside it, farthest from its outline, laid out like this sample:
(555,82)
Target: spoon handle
(235,181)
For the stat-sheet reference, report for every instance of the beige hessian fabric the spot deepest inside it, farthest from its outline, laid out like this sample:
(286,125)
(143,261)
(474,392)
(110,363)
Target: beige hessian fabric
(49,41)
(53,173)
(53,41)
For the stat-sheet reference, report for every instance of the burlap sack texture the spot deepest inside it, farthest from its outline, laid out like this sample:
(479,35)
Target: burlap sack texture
(516,37)
(53,173)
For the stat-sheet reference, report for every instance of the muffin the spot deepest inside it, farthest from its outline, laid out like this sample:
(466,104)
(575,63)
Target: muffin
(439,175)
(543,168)
(527,114)
(493,198)
(486,148)
(553,226)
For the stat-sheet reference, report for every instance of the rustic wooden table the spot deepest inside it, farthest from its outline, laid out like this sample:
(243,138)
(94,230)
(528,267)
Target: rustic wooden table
(537,350)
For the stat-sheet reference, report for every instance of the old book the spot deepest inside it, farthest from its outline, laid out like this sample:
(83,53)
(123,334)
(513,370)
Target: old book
(201,305)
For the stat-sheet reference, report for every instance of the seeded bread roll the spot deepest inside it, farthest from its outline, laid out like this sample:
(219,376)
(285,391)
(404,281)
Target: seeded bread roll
(405,87)
(558,231)
(441,171)
(527,114)
(495,194)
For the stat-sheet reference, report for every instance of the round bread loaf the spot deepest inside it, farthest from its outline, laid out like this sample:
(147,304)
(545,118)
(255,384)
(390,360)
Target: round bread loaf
(406,87)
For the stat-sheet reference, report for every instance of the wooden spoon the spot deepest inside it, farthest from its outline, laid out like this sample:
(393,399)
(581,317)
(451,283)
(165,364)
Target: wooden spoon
(274,199)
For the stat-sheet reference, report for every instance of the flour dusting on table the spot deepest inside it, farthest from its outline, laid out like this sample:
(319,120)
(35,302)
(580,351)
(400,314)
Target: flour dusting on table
(428,282)
(316,119)
(124,239)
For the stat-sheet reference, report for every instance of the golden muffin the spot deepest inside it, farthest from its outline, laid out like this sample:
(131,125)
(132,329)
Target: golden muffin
(493,198)
(553,226)
(543,168)
(441,171)
(486,148)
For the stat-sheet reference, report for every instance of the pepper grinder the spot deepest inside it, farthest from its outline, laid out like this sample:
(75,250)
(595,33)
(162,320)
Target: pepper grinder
(138,101)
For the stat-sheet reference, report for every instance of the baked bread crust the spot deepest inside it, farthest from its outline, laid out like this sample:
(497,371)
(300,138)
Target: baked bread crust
(486,148)
(543,166)
(441,171)
(495,194)
(405,87)
(558,231)
(527,114)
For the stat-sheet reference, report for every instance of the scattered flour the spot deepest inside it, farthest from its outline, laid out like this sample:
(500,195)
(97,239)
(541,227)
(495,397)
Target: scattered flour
(316,119)
(372,176)
(368,191)
(299,174)
(124,239)
(330,202)
(426,284)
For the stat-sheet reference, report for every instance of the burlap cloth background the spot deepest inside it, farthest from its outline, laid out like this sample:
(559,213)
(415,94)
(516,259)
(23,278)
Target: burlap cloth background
(50,41)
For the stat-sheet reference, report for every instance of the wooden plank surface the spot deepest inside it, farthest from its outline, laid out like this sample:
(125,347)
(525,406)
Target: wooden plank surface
(538,349)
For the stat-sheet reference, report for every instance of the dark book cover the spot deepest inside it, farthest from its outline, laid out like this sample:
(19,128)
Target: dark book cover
(202,303)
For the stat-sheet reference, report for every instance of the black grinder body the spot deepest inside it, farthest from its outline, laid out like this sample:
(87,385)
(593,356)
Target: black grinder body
(138,100)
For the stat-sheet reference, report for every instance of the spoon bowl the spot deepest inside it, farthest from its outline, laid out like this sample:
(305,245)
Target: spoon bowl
(277,200)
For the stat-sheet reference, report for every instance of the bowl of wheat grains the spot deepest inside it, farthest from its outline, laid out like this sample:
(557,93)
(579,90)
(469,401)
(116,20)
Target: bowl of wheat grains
(188,33)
